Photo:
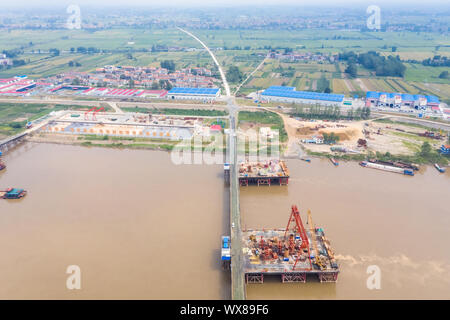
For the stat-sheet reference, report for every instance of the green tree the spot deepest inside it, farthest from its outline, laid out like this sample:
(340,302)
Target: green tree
(444,75)
(234,74)
(352,70)
(425,149)
(168,64)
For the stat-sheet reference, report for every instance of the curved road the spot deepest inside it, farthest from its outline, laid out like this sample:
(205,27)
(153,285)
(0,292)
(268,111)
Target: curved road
(237,272)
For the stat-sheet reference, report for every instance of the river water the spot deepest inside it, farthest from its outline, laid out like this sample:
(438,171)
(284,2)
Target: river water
(141,227)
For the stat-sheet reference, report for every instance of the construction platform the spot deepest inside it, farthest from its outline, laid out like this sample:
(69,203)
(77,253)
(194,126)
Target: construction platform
(263,173)
(292,253)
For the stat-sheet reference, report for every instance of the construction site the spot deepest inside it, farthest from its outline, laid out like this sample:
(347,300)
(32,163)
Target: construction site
(263,173)
(96,122)
(359,137)
(295,253)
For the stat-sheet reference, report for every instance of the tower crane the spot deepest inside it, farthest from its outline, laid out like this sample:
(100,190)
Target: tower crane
(300,229)
(87,112)
(95,112)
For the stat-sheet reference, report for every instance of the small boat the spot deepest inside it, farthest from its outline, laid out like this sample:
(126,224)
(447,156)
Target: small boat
(333,161)
(439,168)
(12,193)
(305,159)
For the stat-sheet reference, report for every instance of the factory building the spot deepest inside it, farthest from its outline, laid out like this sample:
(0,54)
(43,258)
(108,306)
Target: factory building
(290,95)
(204,94)
(398,100)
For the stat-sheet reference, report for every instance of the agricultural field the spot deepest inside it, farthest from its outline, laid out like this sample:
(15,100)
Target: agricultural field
(14,116)
(130,46)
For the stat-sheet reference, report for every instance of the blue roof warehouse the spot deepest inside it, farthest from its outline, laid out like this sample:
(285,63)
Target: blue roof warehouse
(397,100)
(290,95)
(205,94)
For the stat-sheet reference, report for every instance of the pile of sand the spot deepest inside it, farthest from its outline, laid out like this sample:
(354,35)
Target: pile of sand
(343,133)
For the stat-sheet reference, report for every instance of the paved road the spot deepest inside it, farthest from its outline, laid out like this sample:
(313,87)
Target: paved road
(96,103)
(237,265)
(115,107)
(36,126)
(237,274)
(249,76)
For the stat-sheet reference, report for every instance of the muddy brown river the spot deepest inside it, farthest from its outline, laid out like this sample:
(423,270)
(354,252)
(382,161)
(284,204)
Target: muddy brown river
(140,227)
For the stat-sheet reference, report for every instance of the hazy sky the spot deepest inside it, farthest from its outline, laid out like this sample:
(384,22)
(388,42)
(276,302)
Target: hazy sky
(34,3)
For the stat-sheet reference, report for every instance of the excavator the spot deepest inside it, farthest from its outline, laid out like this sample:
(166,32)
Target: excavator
(318,259)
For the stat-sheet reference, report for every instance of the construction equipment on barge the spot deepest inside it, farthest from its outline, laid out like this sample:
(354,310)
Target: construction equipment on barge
(263,173)
(439,168)
(12,193)
(407,172)
(288,253)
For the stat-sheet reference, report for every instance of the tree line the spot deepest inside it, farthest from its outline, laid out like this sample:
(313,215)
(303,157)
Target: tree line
(330,112)
(390,66)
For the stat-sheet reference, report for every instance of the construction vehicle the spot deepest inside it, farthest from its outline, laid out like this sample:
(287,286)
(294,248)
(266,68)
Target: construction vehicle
(318,259)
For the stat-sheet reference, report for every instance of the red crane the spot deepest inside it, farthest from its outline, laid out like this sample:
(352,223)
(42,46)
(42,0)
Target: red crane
(95,112)
(87,112)
(299,229)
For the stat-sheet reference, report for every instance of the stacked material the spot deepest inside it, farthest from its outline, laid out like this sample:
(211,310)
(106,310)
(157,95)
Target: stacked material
(270,168)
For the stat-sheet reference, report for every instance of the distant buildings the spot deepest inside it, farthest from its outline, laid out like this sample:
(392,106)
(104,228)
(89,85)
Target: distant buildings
(303,56)
(398,100)
(290,95)
(204,94)
(5,61)
(138,77)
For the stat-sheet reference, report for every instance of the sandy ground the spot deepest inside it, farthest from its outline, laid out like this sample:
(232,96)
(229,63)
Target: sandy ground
(381,137)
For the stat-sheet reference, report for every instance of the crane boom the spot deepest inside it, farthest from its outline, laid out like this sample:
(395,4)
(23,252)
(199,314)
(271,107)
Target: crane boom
(87,112)
(300,229)
(95,112)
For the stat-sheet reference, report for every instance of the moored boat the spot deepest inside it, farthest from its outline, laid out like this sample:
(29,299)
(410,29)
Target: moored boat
(333,161)
(372,165)
(439,168)
(12,193)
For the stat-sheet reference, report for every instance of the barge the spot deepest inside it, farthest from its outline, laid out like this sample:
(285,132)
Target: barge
(378,166)
(398,164)
(293,253)
(263,173)
(12,193)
